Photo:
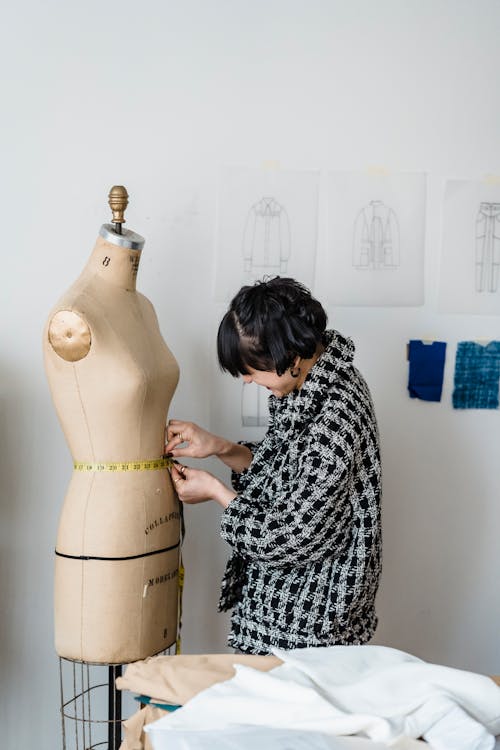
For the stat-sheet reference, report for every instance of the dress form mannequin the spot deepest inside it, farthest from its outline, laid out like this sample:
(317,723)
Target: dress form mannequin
(112,377)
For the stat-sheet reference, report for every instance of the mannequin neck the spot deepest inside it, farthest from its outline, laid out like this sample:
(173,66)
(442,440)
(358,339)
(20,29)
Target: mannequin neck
(115,265)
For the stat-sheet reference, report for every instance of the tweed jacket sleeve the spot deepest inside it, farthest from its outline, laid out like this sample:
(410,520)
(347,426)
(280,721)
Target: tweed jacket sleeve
(306,511)
(238,480)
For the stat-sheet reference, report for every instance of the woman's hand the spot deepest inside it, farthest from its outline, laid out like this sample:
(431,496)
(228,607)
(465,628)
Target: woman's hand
(199,442)
(195,486)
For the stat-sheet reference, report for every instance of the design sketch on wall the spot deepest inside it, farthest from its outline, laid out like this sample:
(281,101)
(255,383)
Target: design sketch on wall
(254,408)
(470,253)
(376,238)
(266,239)
(266,226)
(487,247)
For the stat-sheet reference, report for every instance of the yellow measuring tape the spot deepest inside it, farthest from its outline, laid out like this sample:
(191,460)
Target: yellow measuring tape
(179,605)
(148,465)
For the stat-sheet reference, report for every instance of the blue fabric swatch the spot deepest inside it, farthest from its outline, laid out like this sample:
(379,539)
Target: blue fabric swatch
(477,372)
(425,378)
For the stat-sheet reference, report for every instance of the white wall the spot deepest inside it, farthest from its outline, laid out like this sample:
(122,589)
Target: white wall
(156,95)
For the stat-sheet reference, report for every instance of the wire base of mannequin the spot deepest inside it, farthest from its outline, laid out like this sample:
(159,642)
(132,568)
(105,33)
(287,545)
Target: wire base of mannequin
(91,706)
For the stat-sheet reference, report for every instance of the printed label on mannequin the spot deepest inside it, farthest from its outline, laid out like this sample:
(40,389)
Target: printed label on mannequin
(173,515)
(134,262)
(106,261)
(163,578)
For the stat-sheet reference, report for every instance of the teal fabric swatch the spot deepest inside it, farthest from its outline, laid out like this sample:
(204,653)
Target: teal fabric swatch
(477,373)
(145,700)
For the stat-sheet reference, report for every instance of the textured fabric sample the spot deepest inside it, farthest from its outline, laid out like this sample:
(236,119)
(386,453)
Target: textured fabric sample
(305,526)
(477,372)
(425,377)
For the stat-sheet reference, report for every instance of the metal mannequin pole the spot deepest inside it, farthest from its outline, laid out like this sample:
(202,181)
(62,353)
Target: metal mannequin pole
(114,708)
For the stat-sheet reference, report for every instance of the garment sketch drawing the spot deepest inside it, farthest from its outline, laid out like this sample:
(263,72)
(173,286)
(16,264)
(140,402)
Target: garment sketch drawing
(376,238)
(266,239)
(254,408)
(487,247)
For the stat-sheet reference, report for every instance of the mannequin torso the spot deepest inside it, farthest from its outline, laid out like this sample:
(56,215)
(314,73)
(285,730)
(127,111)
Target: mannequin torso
(112,378)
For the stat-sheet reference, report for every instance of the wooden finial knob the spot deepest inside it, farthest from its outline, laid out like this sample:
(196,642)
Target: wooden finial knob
(118,202)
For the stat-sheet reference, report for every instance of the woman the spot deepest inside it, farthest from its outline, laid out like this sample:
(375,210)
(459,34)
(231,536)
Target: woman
(303,519)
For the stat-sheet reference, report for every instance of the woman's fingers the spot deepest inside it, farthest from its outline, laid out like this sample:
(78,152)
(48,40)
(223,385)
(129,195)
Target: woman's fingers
(174,443)
(178,472)
(176,433)
(179,430)
(192,485)
(196,442)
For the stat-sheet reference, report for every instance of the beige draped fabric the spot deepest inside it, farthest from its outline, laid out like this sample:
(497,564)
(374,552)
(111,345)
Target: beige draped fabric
(176,679)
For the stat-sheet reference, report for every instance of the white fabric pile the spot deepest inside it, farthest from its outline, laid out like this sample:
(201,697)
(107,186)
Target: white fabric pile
(369,691)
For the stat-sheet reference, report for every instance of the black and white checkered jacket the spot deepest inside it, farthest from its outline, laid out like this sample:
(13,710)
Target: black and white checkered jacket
(305,526)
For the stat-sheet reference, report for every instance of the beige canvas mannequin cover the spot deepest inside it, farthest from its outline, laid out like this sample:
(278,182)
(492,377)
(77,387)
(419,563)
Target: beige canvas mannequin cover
(112,377)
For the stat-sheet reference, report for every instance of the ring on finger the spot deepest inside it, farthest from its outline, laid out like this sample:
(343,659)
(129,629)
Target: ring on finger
(180,437)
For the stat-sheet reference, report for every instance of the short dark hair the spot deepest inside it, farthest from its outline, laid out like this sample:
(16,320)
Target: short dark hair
(267,325)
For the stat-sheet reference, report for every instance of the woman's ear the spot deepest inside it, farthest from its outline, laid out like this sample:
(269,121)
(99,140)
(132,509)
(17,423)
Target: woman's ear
(295,367)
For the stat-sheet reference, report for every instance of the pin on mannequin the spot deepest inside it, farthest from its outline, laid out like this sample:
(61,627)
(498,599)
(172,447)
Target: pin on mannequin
(112,377)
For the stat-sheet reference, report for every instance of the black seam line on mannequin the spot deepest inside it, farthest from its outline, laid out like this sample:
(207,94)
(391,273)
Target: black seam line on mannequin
(130,557)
